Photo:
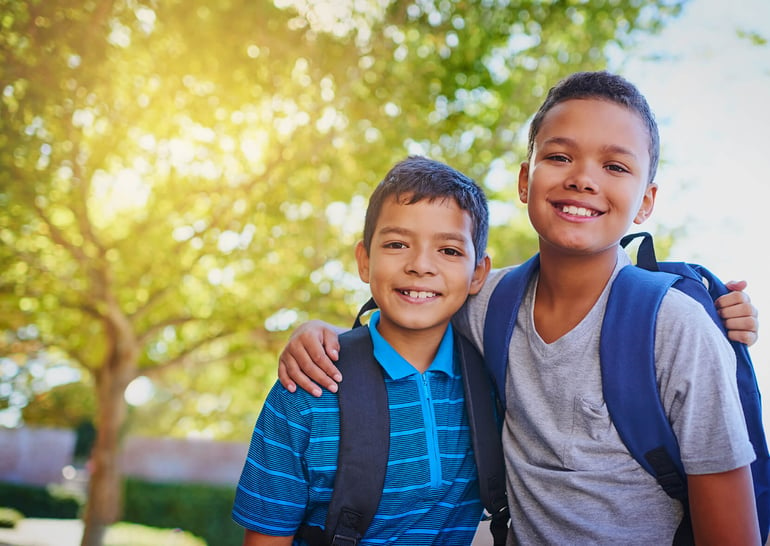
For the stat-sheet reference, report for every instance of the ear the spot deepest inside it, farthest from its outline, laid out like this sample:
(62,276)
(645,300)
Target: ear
(362,258)
(524,182)
(648,203)
(480,274)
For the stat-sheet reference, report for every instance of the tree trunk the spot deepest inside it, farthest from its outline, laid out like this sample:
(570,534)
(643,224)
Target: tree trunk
(104,505)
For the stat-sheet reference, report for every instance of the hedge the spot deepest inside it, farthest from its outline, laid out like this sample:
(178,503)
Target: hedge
(40,502)
(201,509)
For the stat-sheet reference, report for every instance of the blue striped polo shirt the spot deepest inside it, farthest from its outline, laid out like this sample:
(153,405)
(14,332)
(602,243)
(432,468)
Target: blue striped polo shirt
(431,493)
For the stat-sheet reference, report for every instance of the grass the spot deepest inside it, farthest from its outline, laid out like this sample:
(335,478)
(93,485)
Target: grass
(132,534)
(9,518)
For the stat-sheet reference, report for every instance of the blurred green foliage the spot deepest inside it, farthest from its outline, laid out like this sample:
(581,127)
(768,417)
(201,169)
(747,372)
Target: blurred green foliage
(182,182)
(203,510)
(40,502)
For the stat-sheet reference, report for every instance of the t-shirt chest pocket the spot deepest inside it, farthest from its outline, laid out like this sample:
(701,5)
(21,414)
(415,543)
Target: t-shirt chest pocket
(594,443)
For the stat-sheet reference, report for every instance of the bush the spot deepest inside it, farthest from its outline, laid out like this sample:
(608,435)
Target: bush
(40,502)
(9,518)
(201,509)
(130,534)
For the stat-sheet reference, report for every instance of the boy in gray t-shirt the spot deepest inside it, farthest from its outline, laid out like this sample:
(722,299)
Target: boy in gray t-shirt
(570,477)
(592,158)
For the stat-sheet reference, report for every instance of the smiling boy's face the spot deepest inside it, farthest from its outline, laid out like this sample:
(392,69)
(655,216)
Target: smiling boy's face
(587,179)
(421,266)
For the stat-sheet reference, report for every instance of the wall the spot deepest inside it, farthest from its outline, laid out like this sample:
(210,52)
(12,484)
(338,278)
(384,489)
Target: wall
(183,460)
(34,456)
(37,456)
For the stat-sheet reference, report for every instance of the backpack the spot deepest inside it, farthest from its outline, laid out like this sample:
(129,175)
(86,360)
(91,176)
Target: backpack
(365,438)
(630,391)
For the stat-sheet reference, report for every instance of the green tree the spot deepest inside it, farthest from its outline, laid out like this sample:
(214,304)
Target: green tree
(179,178)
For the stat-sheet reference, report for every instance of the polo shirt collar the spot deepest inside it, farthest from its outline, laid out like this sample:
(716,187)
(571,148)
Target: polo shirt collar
(396,366)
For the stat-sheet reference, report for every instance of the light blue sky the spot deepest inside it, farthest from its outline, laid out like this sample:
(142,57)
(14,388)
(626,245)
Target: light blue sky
(710,90)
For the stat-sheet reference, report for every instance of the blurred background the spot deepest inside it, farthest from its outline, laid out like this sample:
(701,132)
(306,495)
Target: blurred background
(182,183)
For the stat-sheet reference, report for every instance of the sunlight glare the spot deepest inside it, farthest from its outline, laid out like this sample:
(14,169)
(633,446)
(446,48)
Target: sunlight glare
(139,391)
(115,193)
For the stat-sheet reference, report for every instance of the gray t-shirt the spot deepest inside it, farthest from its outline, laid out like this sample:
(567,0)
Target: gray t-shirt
(570,478)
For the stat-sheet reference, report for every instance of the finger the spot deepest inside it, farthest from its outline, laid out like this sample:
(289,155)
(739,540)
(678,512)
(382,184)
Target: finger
(316,370)
(332,346)
(291,375)
(748,338)
(743,329)
(284,378)
(736,285)
(735,304)
(305,359)
(307,384)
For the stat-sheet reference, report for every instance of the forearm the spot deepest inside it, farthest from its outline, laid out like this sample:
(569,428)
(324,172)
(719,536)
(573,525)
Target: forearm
(252,538)
(722,508)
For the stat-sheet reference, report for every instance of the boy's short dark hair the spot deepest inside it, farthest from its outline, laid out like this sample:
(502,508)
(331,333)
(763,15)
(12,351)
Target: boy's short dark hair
(417,178)
(600,85)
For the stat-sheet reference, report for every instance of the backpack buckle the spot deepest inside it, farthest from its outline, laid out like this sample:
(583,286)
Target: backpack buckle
(342,540)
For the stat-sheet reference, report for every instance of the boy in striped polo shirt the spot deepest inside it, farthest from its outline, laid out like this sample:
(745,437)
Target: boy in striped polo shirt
(422,254)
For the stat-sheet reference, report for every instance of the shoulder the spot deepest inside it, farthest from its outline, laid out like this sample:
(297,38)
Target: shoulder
(677,308)
(685,332)
(299,406)
(481,300)
(470,319)
(356,349)
(355,337)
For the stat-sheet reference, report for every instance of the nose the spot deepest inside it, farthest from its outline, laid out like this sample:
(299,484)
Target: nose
(581,179)
(421,262)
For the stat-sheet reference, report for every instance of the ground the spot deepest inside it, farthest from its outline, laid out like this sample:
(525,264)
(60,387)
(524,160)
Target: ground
(68,532)
(43,532)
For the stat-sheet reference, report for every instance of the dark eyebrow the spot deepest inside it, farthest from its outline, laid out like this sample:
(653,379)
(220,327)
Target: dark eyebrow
(395,230)
(570,143)
(443,236)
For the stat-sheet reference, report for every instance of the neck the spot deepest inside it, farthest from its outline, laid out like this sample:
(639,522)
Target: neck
(417,347)
(567,276)
(568,288)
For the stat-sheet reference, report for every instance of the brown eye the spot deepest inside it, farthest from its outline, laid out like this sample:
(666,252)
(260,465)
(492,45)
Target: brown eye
(617,168)
(394,244)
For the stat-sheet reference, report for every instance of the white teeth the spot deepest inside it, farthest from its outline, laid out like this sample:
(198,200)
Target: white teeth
(420,295)
(577,211)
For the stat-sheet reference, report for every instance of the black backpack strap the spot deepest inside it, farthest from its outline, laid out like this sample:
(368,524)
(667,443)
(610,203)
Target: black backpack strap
(486,437)
(485,431)
(364,444)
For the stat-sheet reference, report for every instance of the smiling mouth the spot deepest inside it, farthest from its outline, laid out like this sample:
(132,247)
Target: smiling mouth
(578,211)
(421,294)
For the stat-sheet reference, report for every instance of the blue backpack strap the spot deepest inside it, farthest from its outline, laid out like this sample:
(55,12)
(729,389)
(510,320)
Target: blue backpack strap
(502,310)
(486,437)
(627,350)
(363,448)
(629,385)
(751,400)
(702,285)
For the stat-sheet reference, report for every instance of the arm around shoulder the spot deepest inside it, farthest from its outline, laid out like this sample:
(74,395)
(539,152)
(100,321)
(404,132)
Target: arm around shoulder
(722,508)
(307,359)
